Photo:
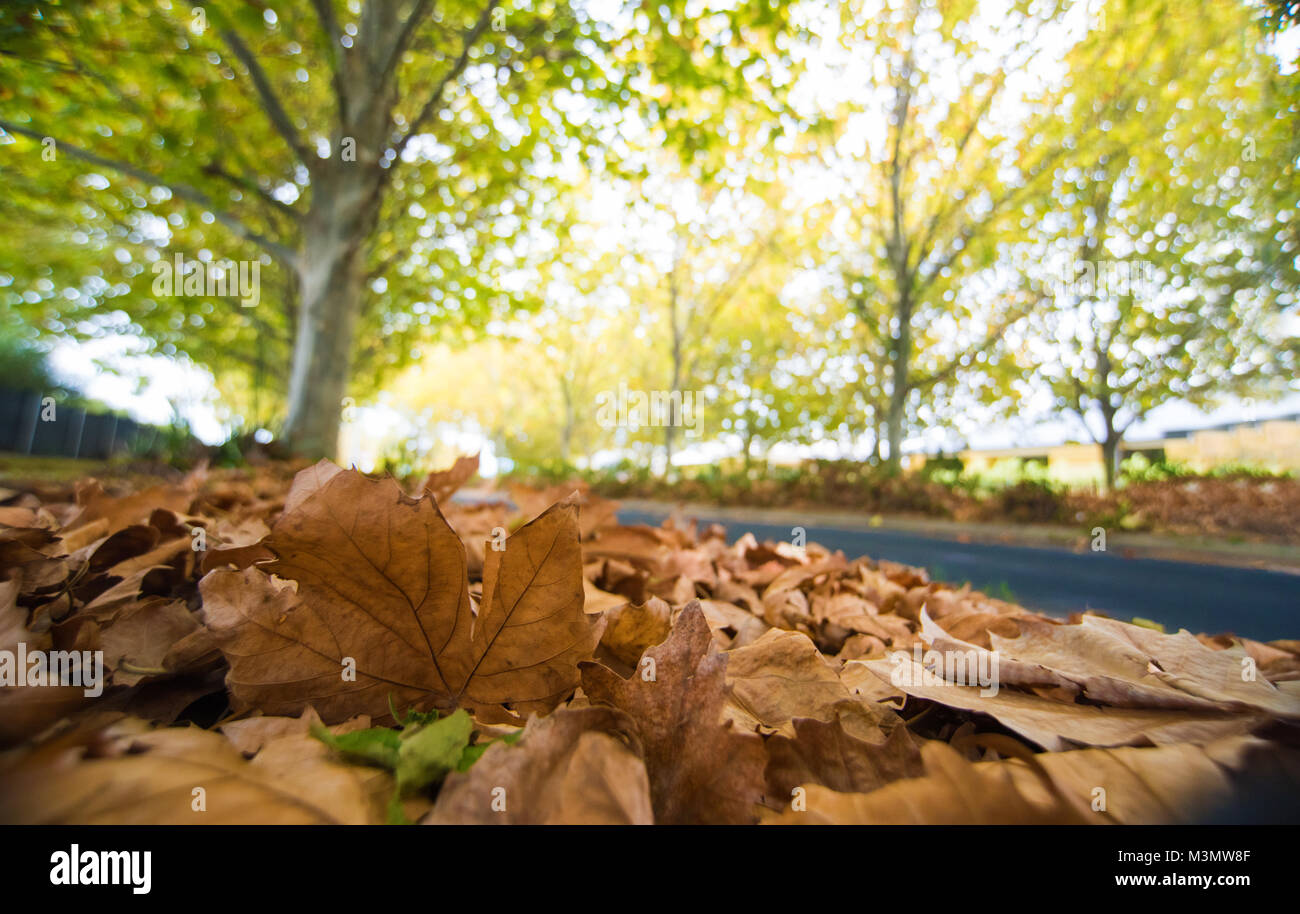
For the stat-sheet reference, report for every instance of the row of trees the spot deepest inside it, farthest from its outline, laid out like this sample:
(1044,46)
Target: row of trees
(950,235)
(848,222)
(388,161)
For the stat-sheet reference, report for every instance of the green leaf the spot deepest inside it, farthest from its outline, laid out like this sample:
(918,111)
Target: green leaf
(397,815)
(430,751)
(375,746)
(410,717)
(471,755)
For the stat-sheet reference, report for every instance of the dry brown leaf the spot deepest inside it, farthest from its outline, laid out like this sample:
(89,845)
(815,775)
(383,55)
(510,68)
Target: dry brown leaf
(250,734)
(823,753)
(363,571)
(382,580)
(573,766)
(442,484)
(732,625)
(792,578)
(1061,725)
(308,482)
(83,537)
(26,711)
(134,540)
(126,774)
(239,544)
(141,638)
(1165,785)
(135,508)
(952,792)
(630,629)
(640,545)
(531,631)
(701,770)
(598,600)
(596,514)
(782,676)
(13,619)
(1124,665)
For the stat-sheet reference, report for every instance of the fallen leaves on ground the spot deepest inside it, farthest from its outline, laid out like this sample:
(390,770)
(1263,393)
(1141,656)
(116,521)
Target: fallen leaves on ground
(702,769)
(126,773)
(374,585)
(326,647)
(578,766)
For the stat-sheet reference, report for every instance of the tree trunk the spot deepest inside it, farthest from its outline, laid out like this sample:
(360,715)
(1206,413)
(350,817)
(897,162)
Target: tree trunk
(877,457)
(749,443)
(670,429)
(900,371)
(570,419)
(329,306)
(322,353)
(331,283)
(1110,458)
(894,431)
(346,193)
(1110,441)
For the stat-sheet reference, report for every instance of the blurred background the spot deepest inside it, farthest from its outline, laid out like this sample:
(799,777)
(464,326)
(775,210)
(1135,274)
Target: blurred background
(734,251)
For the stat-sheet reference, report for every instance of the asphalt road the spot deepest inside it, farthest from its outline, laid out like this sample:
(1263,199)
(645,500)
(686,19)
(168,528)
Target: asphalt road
(1264,605)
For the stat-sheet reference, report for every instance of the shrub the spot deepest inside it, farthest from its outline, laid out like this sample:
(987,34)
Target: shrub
(1030,501)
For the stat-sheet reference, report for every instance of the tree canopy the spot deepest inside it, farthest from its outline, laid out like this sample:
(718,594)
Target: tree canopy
(853,224)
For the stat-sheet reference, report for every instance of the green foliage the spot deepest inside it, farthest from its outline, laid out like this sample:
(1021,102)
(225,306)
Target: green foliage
(1188,173)
(1002,591)
(1137,468)
(941,467)
(24,366)
(1246,471)
(428,752)
(380,746)
(173,444)
(423,750)
(220,130)
(813,224)
(915,237)
(403,459)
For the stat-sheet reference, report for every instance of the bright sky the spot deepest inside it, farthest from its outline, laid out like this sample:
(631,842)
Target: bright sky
(113,371)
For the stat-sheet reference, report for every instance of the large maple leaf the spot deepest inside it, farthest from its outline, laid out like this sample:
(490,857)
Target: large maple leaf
(382,610)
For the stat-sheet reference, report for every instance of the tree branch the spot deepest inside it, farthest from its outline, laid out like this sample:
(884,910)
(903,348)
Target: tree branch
(418,13)
(954,363)
(184,191)
(217,171)
(435,97)
(334,35)
(270,103)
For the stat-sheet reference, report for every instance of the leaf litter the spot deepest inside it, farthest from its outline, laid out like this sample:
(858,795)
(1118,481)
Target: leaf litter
(327,647)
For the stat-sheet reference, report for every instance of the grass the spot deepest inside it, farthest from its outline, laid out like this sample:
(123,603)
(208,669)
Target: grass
(48,469)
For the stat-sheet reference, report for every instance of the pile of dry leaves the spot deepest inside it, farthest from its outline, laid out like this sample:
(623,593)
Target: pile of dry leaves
(335,649)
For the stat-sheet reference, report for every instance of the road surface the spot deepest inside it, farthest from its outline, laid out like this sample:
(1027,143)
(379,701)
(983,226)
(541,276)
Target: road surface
(1264,605)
